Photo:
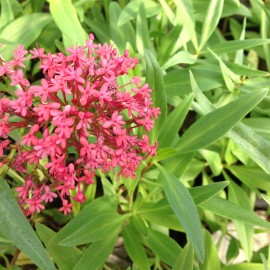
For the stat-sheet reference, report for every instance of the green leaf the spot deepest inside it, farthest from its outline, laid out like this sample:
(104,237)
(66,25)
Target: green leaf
(201,194)
(264,34)
(185,259)
(266,198)
(212,18)
(49,35)
(6,13)
(256,147)
(254,178)
(259,125)
(181,57)
(245,70)
(216,124)
(244,266)
(183,206)
(15,227)
(65,17)
(37,6)
(65,257)
(154,78)
(163,246)
(224,208)
(231,8)
(185,10)
(170,44)
(239,55)
(23,31)
(168,11)
(235,45)
(94,230)
(174,122)
(181,86)
(142,35)
(134,248)
(212,260)
(100,29)
(117,33)
(164,153)
(244,231)
(213,159)
(230,78)
(179,163)
(130,11)
(96,254)
(233,249)
(160,213)
(87,214)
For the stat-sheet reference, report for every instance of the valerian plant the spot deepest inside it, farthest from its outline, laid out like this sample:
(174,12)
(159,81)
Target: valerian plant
(79,105)
(139,136)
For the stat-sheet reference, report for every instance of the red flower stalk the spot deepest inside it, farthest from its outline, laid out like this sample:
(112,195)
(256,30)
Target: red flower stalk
(78,105)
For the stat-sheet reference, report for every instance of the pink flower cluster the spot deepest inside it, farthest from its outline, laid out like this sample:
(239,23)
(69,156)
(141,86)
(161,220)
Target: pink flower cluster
(76,121)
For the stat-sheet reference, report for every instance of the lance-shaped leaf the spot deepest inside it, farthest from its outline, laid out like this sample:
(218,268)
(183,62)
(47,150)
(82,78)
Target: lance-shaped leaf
(22,31)
(65,17)
(135,248)
(216,124)
(65,257)
(164,246)
(212,260)
(174,122)
(96,254)
(185,9)
(235,45)
(185,259)
(15,226)
(154,78)
(88,214)
(94,230)
(224,208)
(184,208)
(212,18)
(244,231)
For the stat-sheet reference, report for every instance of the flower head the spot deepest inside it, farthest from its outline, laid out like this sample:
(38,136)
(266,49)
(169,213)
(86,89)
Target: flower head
(78,105)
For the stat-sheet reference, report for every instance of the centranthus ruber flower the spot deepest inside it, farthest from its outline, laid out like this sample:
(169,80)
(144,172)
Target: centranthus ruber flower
(77,105)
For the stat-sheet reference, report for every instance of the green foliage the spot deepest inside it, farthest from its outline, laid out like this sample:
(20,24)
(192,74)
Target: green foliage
(66,18)
(16,228)
(184,208)
(22,31)
(207,62)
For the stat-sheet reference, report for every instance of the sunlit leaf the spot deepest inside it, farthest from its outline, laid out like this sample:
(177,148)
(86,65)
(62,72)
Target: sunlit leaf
(65,17)
(212,18)
(22,31)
